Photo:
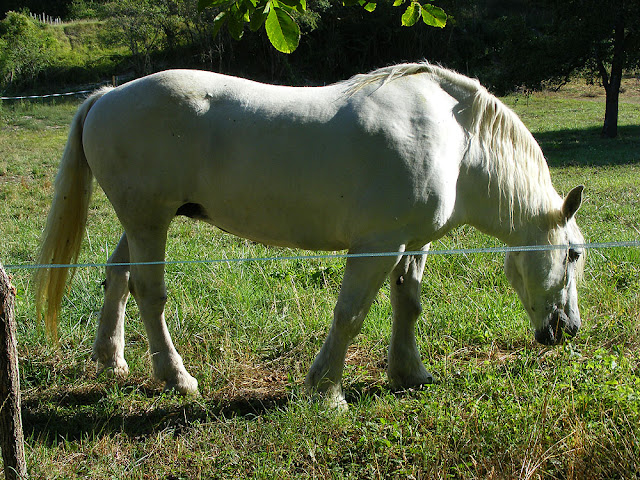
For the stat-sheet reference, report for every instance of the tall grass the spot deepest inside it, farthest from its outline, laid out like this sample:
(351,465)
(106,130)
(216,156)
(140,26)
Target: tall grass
(504,407)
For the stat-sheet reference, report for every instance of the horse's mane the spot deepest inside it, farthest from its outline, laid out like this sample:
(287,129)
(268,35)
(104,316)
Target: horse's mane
(508,151)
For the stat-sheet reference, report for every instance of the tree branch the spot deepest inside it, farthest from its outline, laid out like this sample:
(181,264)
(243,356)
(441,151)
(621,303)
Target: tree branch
(604,75)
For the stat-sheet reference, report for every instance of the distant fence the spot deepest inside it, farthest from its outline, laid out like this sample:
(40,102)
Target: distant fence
(49,95)
(115,81)
(44,18)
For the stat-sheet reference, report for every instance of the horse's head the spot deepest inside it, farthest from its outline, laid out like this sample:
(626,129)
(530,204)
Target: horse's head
(545,280)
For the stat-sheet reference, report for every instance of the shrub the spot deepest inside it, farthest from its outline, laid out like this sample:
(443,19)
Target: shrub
(26,48)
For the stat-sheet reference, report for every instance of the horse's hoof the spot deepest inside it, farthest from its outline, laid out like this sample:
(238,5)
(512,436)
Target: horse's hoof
(402,382)
(184,385)
(330,399)
(115,368)
(335,403)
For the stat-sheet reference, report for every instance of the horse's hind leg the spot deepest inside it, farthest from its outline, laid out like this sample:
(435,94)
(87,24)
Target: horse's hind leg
(362,280)
(405,367)
(148,288)
(108,348)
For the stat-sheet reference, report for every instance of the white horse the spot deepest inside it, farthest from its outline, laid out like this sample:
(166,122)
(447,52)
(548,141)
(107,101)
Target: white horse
(387,161)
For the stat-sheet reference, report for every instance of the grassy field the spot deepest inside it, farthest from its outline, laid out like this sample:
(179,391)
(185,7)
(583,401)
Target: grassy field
(504,406)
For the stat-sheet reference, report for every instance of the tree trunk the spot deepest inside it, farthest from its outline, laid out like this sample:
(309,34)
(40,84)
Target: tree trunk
(612,84)
(11,435)
(610,127)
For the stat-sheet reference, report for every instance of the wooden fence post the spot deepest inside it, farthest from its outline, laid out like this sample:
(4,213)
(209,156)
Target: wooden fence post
(11,435)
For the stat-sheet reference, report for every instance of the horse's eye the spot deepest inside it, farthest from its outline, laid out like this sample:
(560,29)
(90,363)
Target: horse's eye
(574,254)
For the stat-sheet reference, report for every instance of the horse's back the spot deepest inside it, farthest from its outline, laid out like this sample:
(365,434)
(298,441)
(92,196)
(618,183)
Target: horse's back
(181,120)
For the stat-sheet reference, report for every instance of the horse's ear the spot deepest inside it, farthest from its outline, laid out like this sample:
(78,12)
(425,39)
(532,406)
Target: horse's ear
(572,203)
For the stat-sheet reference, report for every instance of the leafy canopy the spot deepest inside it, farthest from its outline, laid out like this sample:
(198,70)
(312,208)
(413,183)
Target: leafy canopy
(278,17)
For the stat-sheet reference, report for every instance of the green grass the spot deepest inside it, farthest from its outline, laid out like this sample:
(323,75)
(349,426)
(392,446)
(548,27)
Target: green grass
(504,406)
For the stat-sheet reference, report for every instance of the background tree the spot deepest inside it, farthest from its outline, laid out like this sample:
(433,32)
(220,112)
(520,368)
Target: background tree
(560,38)
(26,48)
(141,25)
(611,79)
(545,42)
(602,39)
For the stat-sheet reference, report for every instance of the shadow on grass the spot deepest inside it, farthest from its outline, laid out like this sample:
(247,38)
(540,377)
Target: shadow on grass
(74,416)
(585,147)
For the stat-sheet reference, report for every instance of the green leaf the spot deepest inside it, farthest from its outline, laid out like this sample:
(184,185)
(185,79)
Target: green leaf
(397,3)
(411,14)
(246,9)
(368,6)
(258,18)
(236,28)
(283,32)
(235,22)
(299,5)
(433,16)
(350,3)
(218,23)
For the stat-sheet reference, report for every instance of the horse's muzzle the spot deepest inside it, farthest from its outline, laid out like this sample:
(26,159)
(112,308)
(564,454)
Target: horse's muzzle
(558,325)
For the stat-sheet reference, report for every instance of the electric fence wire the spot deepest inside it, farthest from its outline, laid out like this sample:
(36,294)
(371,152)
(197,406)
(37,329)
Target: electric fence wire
(53,95)
(327,256)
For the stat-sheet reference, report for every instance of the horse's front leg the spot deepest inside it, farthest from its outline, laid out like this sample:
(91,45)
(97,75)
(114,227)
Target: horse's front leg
(405,367)
(362,280)
(148,288)
(108,348)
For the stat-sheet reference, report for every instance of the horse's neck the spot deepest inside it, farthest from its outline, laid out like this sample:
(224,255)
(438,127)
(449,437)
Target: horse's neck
(480,205)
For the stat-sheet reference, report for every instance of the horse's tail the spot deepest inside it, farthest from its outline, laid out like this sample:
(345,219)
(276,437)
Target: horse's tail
(62,236)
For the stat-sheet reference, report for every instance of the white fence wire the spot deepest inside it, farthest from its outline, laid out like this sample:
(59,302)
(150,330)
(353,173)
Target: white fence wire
(327,256)
(54,95)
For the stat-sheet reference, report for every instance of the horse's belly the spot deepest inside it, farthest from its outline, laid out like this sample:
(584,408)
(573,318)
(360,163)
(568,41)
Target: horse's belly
(290,234)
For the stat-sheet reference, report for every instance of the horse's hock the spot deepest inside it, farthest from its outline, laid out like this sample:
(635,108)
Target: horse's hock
(11,436)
